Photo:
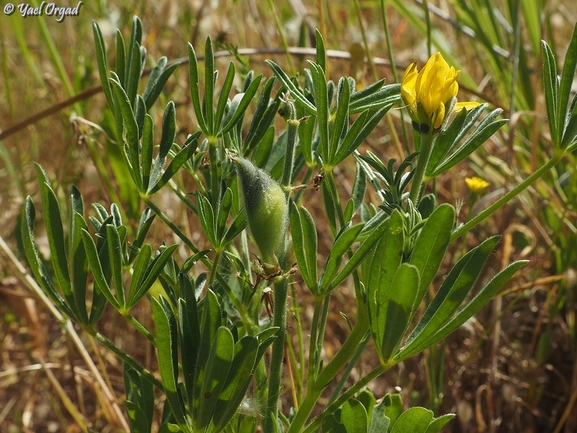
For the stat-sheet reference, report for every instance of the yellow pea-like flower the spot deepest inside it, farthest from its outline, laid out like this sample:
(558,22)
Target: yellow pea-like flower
(476,185)
(429,92)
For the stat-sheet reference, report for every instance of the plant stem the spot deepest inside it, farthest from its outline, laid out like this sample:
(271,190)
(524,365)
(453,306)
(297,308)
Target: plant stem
(347,373)
(139,327)
(507,197)
(277,354)
(125,357)
(325,377)
(317,421)
(422,162)
(314,357)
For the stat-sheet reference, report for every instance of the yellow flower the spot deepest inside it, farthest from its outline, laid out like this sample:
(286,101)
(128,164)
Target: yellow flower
(476,184)
(430,92)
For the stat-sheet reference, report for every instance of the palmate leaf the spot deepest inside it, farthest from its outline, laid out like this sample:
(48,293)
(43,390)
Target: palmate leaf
(387,95)
(239,105)
(341,117)
(465,312)
(453,291)
(195,89)
(342,243)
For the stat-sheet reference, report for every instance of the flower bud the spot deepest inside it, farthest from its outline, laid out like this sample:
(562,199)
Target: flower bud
(265,204)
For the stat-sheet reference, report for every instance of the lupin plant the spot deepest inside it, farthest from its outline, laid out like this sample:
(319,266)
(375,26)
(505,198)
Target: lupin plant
(221,346)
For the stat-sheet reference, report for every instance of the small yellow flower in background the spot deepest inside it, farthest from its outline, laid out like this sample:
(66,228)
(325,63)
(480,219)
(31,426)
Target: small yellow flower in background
(476,184)
(430,92)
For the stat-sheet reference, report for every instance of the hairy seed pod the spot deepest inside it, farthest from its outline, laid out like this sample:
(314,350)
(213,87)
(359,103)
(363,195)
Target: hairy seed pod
(265,204)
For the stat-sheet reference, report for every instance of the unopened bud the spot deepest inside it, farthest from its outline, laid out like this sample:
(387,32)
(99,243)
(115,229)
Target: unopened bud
(265,204)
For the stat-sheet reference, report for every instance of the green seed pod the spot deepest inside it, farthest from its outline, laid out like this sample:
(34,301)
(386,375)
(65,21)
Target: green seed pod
(265,204)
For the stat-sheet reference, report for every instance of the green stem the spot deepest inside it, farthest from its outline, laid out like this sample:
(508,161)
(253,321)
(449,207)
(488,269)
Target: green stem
(170,224)
(317,421)
(125,357)
(347,373)
(507,197)
(346,352)
(277,354)
(422,162)
(314,357)
(333,191)
(139,327)
(301,352)
(214,267)
(322,329)
(182,196)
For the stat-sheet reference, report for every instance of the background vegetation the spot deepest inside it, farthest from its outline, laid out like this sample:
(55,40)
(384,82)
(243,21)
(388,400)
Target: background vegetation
(513,368)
